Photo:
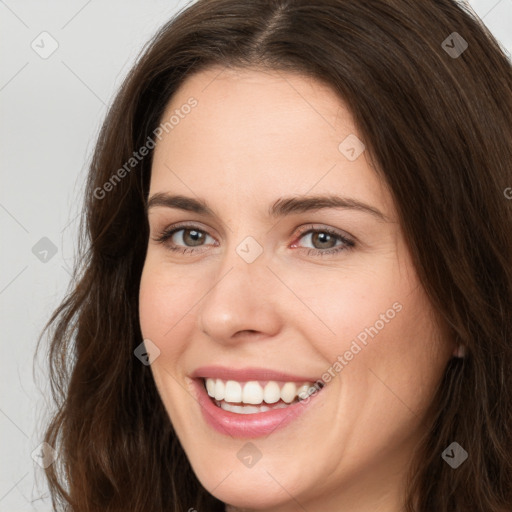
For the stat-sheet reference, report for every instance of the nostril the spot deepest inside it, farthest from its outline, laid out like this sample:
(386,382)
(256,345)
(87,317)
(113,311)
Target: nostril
(247,331)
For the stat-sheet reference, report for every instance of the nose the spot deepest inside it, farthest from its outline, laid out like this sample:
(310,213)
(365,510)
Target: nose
(243,302)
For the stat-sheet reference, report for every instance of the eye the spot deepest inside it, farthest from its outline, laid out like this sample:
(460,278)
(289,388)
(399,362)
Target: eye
(191,236)
(326,240)
(329,240)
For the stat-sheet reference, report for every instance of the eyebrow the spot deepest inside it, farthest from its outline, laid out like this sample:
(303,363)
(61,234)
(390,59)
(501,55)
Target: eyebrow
(281,208)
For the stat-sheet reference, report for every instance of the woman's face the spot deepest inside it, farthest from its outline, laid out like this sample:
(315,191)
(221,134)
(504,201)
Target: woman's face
(279,290)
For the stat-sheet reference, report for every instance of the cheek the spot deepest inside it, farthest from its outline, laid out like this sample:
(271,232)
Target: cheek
(386,348)
(162,303)
(395,374)
(164,298)
(152,299)
(347,302)
(169,296)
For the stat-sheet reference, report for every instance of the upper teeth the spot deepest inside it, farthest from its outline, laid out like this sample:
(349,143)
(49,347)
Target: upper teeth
(252,392)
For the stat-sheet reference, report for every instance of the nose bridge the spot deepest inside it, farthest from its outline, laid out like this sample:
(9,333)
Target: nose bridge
(239,298)
(245,259)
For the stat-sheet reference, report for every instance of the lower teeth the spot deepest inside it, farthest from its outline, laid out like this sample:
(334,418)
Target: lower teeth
(249,409)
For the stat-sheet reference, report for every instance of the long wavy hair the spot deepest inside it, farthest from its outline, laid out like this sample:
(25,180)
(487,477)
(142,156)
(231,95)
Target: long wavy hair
(438,124)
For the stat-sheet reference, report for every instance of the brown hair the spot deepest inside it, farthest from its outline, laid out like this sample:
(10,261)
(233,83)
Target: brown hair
(439,127)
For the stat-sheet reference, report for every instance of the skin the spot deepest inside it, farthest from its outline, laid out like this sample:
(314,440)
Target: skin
(256,136)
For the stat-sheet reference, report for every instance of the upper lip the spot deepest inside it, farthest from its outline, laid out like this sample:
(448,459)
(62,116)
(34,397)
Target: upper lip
(247,374)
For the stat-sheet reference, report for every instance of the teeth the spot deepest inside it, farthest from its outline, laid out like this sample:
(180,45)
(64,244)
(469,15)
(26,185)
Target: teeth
(272,393)
(288,392)
(248,409)
(303,391)
(253,393)
(219,389)
(233,391)
(210,387)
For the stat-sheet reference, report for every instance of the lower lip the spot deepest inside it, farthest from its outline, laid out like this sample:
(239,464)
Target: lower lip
(247,425)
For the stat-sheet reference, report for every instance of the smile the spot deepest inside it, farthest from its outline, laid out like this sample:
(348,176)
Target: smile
(245,408)
(242,397)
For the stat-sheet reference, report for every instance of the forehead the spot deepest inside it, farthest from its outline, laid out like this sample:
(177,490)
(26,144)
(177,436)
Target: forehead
(262,134)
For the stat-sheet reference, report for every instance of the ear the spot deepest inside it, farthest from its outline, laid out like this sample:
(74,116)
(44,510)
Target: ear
(459,351)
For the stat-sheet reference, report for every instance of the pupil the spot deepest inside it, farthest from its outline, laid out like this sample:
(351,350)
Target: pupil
(196,236)
(324,237)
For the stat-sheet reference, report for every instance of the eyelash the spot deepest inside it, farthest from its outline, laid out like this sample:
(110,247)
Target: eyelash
(169,232)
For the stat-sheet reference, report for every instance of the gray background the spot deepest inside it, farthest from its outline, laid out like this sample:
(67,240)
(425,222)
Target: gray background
(51,111)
